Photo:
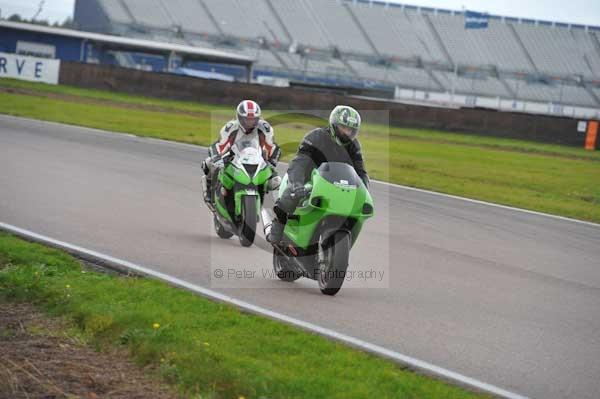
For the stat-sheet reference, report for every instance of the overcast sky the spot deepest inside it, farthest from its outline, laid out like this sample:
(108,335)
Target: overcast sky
(574,11)
(53,10)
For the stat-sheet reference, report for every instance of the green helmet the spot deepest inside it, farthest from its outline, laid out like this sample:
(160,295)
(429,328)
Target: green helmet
(344,123)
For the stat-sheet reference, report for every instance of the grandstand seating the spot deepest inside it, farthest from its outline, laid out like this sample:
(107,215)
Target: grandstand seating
(191,16)
(398,33)
(554,50)
(149,13)
(362,42)
(488,86)
(339,26)
(382,34)
(330,67)
(395,74)
(589,45)
(557,93)
(260,15)
(415,32)
(300,23)
(266,58)
(492,46)
(292,61)
(115,11)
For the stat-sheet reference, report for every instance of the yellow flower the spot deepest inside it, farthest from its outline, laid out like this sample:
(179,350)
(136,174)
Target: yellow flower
(68,286)
(206,344)
(155,326)
(241,397)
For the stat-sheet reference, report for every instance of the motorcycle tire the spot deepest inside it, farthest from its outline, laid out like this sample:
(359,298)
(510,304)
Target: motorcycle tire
(281,269)
(249,221)
(332,273)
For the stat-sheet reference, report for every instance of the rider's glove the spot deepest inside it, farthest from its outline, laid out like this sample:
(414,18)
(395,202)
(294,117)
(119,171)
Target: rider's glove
(216,161)
(274,183)
(298,191)
(219,163)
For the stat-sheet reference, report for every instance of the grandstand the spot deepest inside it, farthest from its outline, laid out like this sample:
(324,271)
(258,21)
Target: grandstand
(372,44)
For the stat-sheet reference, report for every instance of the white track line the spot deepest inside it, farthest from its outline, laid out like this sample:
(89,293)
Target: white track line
(420,190)
(124,265)
(567,219)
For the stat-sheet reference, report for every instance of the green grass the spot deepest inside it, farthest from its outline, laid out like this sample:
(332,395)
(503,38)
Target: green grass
(543,177)
(205,349)
(111,96)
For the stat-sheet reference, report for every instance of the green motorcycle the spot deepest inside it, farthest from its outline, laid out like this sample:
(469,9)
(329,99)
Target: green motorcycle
(239,191)
(319,234)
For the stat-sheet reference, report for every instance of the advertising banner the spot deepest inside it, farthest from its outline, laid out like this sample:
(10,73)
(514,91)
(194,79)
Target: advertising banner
(476,20)
(29,68)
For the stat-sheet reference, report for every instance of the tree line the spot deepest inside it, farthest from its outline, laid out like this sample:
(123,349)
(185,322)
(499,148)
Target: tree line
(67,23)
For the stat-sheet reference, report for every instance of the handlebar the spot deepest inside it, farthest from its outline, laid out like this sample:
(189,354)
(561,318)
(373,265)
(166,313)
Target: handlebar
(225,157)
(307,189)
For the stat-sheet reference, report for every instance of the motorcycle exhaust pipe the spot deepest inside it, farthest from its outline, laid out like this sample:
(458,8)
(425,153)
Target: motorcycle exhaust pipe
(267,220)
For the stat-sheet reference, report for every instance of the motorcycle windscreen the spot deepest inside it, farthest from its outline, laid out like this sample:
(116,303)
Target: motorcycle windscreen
(339,173)
(249,143)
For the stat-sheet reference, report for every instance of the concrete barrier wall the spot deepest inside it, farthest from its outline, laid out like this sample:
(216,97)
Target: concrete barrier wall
(485,122)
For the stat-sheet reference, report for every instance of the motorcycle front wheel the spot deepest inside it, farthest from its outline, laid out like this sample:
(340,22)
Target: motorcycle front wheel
(281,268)
(333,257)
(249,221)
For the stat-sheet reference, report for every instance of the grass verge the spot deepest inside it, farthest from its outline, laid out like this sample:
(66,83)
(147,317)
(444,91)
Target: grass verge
(205,349)
(65,367)
(542,177)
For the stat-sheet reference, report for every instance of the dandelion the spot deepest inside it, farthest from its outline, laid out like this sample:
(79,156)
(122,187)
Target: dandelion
(156,326)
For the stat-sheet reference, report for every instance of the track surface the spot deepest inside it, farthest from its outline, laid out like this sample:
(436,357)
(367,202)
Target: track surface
(506,297)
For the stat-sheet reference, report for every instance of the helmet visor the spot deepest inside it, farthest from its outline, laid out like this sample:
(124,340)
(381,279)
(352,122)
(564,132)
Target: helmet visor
(248,122)
(346,133)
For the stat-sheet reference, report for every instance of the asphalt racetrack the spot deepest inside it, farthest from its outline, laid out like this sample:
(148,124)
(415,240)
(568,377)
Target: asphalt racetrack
(506,297)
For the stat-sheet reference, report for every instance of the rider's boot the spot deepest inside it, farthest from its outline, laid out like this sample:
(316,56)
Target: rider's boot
(277,226)
(206,181)
(208,191)
(276,234)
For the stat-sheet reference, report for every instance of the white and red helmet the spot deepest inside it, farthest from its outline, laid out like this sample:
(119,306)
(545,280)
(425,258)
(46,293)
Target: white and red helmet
(248,115)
